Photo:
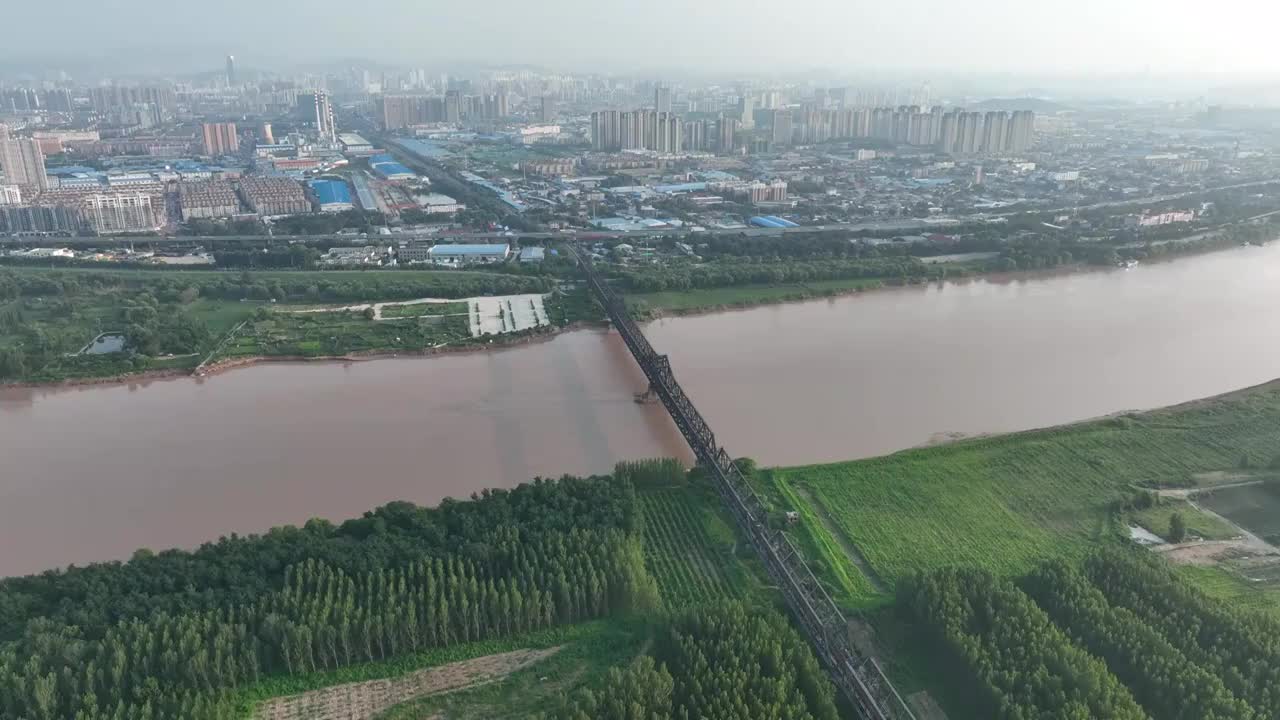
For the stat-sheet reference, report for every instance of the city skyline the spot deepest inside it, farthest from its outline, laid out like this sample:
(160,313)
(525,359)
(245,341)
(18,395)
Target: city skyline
(987,36)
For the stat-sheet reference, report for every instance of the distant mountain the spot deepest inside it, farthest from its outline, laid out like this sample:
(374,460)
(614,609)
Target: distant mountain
(1021,103)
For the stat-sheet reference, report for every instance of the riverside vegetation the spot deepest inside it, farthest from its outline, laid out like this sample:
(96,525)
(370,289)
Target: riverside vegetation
(174,319)
(210,633)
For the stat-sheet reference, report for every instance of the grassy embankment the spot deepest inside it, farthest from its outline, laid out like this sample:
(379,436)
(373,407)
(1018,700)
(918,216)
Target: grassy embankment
(1005,503)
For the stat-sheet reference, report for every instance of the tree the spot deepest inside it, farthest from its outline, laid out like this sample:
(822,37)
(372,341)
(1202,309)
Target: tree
(370,313)
(1177,528)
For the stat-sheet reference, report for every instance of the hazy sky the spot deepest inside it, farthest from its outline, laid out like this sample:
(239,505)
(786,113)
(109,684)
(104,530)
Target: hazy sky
(1023,36)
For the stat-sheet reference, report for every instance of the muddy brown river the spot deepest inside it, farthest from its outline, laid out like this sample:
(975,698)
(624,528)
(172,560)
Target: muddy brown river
(92,473)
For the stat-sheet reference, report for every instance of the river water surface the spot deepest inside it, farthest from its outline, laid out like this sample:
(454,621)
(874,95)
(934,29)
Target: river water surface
(92,473)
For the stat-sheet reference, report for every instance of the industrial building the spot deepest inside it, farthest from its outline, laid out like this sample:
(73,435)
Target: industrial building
(387,168)
(463,254)
(331,195)
(354,144)
(436,203)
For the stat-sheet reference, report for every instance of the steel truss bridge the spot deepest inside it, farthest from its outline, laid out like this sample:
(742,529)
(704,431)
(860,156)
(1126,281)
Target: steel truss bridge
(857,675)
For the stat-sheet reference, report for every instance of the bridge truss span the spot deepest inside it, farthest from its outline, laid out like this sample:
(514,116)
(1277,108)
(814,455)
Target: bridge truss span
(858,676)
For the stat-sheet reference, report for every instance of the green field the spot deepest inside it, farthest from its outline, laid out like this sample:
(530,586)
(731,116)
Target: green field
(587,653)
(689,547)
(677,301)
(1004,503)
(1199,524)
(320,334)
(424,310)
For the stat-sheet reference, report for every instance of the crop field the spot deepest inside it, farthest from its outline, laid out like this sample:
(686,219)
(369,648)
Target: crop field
(689,548)
(336,333)
(1254,507)
(424,309)
(1006,502)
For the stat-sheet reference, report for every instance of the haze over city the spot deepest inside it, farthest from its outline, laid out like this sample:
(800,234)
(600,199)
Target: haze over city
(1127,37)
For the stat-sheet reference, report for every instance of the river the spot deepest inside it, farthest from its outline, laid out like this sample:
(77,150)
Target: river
(91,473)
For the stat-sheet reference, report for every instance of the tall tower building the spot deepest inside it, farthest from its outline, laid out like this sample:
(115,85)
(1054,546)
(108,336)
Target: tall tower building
(546,109)
(265,136)
(22,161)
(949,132)
(231,71)
(662,99)
(994,132)
(728,134)
(453,106)
(781,128)
(1021,129)
(606,130)
(220,139)
(325,126)
(747,112)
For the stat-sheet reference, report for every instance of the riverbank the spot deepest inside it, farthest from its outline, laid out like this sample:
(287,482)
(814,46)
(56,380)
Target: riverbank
(494,343)
(1007,502)
(218,367)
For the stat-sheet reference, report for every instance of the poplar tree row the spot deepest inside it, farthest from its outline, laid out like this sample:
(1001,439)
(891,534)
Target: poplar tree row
(238,570)
(185,666)
(1240,647)
(1161,678)
(1005,655)
(723,662)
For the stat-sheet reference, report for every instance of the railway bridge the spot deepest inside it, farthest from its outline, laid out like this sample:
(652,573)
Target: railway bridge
(857,675)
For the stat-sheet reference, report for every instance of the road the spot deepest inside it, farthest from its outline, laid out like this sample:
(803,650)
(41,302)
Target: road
(194,240)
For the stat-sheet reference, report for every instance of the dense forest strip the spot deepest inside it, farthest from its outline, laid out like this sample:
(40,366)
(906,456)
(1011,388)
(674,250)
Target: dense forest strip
(175,635)
(1240,647)
(1168,684)
(726,661)
(1006,655)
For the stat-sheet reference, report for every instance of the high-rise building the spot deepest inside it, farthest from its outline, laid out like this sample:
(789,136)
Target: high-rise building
(119,213)
(781,128)
(265,136)
(501,103)
(453,106)
(695,135)
(968,133)
(606,130)
(22,161)
(746,112)
(231,71)
(949,132)
(994,132)
(662,99)
(401,111)
(547,109)
(1021,130)
(325,126)
(10,195)
(728,135)
(220,139)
